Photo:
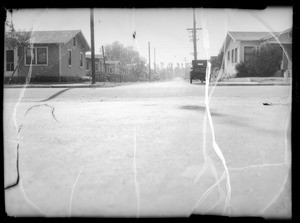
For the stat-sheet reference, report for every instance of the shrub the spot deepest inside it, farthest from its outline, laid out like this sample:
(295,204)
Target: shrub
(263,64)
(242,70)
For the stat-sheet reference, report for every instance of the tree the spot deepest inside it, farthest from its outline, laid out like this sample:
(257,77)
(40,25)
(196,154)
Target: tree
(15,39)
(216,62)
(262,64)
(127,56)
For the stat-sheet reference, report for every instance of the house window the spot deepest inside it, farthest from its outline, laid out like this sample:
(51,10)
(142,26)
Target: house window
(74,41)
(10,60)
(96,66)
(41,55)
(87,66)
(228,56)
(36,56)
(235,55)
(69,57)
(100,66)
(232,56)
(249,51)
(81,59)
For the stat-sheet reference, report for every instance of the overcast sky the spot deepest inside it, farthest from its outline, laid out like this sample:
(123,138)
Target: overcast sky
(165,29)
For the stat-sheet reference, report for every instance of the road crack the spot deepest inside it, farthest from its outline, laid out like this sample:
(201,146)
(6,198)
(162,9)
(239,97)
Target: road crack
(18,180)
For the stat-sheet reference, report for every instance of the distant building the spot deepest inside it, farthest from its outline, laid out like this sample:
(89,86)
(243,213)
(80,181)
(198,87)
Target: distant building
(238,47)
(111,67)
(54,56)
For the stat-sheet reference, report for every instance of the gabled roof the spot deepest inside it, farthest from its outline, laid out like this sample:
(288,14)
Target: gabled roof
(278,33)
(249,36)
(57,36)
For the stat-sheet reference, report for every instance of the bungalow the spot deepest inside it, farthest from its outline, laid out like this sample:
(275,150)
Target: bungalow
(53,56)
(239,46)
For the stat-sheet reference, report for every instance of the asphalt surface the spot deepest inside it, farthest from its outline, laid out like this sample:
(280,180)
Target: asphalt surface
(148,149)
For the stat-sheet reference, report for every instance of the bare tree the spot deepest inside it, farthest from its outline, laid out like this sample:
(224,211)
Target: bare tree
(15,39)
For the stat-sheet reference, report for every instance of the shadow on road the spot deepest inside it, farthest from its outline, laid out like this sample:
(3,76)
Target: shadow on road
(199,108)
(239,122)
(55,95)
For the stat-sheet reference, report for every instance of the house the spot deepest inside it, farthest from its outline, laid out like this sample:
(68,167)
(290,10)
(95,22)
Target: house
(239,46)
(285,39)
(111,67)
(52,56)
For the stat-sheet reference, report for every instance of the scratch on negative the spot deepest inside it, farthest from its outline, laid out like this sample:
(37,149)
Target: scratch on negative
(43,105)
(74,185)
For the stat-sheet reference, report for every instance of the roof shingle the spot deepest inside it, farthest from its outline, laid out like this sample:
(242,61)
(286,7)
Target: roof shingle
(58,36)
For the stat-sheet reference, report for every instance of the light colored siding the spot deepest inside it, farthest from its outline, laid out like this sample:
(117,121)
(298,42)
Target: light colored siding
(229,65)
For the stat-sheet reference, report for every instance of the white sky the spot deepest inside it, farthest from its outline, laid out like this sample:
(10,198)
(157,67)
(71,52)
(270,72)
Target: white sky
(165,29)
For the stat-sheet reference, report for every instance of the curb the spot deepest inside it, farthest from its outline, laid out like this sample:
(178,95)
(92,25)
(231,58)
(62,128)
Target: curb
(61,86)
(111,86)
(252,84)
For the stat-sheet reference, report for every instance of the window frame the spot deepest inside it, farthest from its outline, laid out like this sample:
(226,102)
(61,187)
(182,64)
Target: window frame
(235,55)
(11,64)
(87,65)
(69,57)
(228,56)
(34,63)
(254,47)
(81,60)
(232,55)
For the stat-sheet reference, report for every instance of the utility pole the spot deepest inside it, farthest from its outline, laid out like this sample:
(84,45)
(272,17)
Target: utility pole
(149,62)
(92,44)
(154,61)
(103,60)
(194,31)
(185,67)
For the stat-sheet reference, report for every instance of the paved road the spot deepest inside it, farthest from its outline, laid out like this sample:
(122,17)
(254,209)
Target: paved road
(147,149)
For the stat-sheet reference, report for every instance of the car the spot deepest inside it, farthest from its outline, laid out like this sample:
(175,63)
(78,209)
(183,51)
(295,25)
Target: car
(198,70)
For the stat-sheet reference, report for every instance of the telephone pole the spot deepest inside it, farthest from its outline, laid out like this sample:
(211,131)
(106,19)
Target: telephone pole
(194,32)
(103,60)
(92,45)
(149,62)
(154,61)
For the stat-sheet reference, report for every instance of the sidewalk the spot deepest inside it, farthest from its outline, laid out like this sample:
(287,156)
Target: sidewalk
(253,81)
(66,85)
(274,81)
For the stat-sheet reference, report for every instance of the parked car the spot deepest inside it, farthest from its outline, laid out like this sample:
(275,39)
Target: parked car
(198,70)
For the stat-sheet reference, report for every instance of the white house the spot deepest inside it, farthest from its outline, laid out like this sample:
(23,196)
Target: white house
(238,47)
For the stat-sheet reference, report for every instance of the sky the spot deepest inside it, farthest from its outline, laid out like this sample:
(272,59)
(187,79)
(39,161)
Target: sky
(164,29)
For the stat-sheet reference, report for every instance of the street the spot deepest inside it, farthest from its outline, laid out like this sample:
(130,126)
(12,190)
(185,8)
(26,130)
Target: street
(146,149)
